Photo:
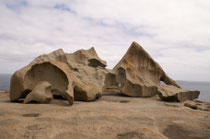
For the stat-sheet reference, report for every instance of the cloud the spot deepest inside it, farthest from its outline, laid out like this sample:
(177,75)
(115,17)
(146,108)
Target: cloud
(176,33)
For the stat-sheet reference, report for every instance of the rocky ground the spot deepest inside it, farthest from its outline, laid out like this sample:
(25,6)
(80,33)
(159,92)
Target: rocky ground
(112,116)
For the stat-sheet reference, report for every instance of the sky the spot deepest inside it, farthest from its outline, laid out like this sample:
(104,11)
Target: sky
(176,33)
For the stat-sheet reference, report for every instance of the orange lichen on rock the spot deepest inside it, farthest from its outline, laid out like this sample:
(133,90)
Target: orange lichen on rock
(5,91)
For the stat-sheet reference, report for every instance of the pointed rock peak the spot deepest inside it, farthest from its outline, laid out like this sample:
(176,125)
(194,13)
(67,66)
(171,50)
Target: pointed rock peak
(136,48)
(92,49)
(96,60)
(139,71)
(134,56)
(135,45)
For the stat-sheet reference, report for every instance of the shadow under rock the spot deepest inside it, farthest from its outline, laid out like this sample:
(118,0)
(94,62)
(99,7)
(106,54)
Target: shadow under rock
(31,115)
(119,94)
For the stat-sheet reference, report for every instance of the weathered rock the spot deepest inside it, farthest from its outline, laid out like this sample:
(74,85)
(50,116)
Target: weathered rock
(78,75)
(89,72)
(56,73)
(199,105)
(82,75)
(110,84)
(173,93)
(41,93)
(85,57)
(138,74)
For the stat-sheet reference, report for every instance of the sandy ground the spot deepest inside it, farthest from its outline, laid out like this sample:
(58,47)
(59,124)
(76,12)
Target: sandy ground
(112,116)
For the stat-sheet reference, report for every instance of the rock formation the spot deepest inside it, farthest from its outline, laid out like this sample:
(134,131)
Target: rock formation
(75,76)
(82,76)
(172,93)
(138,74)
(41,93)
(198,105)
(56,73)
(89,74)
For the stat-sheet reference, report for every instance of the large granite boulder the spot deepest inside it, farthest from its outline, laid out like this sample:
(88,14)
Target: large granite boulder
(75,76)
(89,74)
(41,93)
(173,93)
(138,74)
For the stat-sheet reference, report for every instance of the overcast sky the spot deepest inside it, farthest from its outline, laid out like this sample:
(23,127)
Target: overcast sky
(175,33)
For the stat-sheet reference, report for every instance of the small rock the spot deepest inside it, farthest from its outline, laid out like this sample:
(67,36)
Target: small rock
(41,93)
(173,93)
(205,106)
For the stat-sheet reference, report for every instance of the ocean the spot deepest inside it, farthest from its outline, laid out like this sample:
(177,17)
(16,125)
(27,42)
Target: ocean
(5,81)
(203,87)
